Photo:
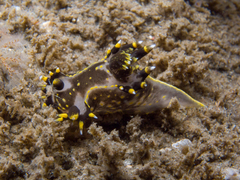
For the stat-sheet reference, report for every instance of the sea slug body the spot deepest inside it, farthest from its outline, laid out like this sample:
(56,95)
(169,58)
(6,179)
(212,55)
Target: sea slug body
(114,84)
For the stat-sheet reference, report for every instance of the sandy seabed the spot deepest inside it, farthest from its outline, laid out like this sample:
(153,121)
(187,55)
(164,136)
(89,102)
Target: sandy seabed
(197,50)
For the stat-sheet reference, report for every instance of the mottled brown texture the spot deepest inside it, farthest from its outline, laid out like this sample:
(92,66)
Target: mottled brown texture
(197,50)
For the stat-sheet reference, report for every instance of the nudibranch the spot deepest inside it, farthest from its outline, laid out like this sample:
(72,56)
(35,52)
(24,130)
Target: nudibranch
(114,84)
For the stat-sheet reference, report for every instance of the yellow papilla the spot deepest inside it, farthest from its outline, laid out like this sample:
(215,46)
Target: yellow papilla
(59,119)
(91,115)
(134,45)
(81,124)
(118,45)
(131,91)
(63,115)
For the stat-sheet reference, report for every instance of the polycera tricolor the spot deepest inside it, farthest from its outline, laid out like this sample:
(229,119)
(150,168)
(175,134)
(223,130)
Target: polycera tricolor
(114,84)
